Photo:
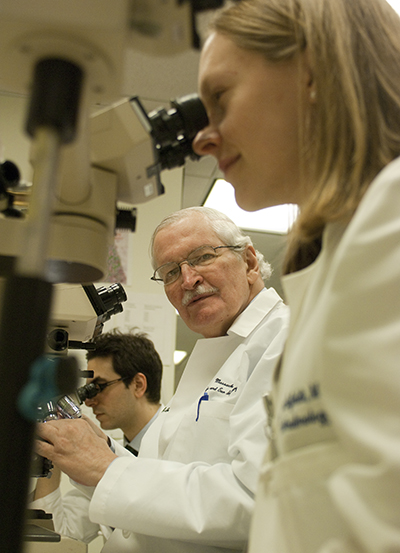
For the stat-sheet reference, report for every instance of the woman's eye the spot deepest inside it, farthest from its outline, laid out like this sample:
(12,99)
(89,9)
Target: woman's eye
(218,95)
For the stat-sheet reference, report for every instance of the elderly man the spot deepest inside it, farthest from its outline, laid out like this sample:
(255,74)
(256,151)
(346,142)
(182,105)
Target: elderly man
(191,488)
(127,371)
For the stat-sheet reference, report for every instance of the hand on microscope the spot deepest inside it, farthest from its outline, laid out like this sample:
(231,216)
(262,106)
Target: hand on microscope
(74,446)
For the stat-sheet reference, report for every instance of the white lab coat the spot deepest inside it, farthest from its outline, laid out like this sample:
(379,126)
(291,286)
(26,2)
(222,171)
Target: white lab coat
(71,514)
(191,489)
(334,484)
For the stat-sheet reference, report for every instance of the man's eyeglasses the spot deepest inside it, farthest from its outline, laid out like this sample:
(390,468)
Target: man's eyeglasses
(200,257)
(100,386)
(91,389)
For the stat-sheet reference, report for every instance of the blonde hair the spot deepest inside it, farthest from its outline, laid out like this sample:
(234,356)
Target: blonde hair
(353,129)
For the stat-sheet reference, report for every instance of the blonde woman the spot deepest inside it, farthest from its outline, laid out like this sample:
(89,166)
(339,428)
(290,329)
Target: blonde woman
(303,100)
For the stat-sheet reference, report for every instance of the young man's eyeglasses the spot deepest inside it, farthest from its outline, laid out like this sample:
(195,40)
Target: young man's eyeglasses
(93,388)
(204,255)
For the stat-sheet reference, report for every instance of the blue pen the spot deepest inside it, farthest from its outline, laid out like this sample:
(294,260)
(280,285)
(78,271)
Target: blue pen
(205,397)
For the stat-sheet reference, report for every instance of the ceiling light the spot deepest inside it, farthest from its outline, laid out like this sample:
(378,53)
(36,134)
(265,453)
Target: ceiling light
(395,5)
(278,219)
(179,356)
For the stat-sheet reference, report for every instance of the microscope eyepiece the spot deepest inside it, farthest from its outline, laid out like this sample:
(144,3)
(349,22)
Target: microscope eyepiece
(173,130)
(184,120)
(112,297)
(87,391)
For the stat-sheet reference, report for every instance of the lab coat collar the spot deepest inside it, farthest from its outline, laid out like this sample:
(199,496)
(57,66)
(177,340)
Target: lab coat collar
(255,312)
(209,354)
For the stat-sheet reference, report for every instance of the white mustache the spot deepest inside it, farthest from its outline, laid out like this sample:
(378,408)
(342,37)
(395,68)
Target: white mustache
(201,289)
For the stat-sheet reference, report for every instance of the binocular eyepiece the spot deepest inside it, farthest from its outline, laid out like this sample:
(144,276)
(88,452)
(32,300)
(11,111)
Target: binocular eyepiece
(173,130)
(87,391)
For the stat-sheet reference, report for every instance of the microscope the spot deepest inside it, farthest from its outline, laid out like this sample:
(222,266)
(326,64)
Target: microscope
(77,318)
(68,56)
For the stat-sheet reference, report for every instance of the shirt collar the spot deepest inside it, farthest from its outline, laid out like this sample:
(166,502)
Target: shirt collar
(255,312)
(137,440)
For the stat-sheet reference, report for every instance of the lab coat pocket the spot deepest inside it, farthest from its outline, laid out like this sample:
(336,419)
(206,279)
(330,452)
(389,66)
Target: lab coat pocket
(202,434)
(212,428)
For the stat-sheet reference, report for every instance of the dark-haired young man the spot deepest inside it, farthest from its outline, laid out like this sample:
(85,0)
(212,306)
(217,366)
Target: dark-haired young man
(128,370)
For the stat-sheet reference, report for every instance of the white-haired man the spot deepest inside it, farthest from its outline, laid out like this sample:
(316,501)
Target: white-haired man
(191,488)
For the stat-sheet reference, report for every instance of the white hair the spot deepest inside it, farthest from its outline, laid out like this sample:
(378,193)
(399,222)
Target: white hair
(226,230)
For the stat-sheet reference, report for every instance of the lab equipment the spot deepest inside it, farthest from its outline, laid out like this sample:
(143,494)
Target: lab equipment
(129,150)
(68,60)
(77,318)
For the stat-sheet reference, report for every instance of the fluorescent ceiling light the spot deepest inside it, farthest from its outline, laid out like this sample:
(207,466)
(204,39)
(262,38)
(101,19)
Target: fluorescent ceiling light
(179,355)
(278,219)
(395,5)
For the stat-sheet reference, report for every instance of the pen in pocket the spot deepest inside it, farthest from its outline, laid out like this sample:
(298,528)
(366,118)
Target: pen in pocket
(204,397)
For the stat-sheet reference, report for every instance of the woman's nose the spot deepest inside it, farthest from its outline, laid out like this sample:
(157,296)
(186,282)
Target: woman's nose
(206,141)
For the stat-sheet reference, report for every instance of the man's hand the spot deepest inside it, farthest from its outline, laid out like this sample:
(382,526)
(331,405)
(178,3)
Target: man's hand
(75,448)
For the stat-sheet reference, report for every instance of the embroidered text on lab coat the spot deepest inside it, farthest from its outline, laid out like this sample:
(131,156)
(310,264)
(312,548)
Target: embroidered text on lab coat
(304,398)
